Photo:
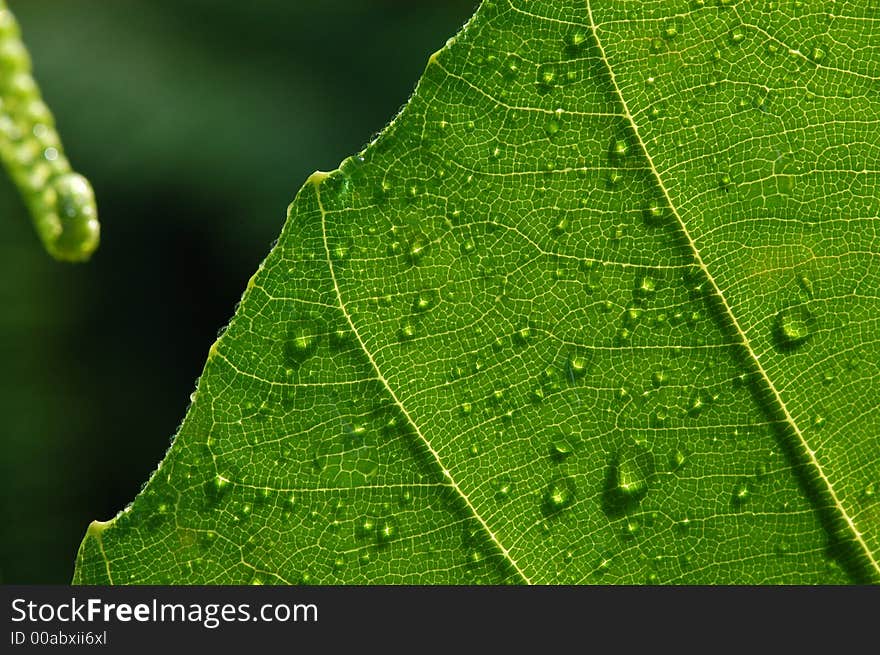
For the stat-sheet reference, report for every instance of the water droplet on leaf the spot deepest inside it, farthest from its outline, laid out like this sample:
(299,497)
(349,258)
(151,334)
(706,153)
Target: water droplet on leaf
(632,528)
(559,494)
(302,341)
(793,327)
(619,148)
(425,300)
(407,332)
(741,492)
(547,75)
(561,448)
(645,285)
(659,378)
(503,486)
(654,214)
(677,459)
(366,529)
(577,366)
(575,39)
(628,476)
(699,401)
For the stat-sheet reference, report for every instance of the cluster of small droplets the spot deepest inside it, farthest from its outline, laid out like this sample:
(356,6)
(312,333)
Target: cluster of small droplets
(60,201)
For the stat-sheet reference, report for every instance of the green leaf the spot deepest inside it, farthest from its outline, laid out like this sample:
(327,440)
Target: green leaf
(599,306)
(61,202)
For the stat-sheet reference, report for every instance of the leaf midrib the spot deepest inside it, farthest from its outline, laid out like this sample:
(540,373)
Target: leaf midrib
(315,181)
(855,534)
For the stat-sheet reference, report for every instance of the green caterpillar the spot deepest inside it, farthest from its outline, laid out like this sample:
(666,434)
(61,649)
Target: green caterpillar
(61,202)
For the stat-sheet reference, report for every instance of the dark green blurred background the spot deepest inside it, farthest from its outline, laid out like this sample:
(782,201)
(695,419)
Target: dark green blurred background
(196,121)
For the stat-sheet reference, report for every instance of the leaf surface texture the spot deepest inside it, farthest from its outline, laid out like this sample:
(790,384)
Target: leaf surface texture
(599,306)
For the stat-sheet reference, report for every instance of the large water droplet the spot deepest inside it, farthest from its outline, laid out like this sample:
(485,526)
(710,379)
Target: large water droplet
(628,477)
(793,327)
(302,341)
